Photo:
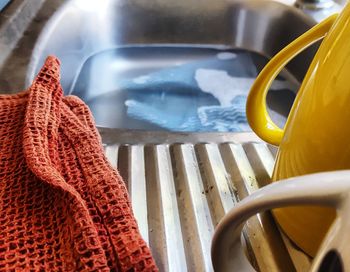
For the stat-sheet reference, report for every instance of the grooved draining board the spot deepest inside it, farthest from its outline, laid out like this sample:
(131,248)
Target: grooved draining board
(181,185)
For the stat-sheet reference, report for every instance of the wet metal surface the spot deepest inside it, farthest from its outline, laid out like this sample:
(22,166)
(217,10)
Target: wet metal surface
(182,188)
(130,39)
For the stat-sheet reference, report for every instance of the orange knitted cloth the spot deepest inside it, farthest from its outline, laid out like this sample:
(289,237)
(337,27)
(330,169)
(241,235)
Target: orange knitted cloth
(62,206)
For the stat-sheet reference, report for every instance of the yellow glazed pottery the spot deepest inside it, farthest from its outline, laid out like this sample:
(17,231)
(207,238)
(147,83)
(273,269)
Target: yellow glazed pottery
(317,133)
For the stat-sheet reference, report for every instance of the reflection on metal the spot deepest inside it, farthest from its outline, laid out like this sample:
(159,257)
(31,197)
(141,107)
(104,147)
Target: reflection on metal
(127,39)
(320,9)
(181,189)
(79,29)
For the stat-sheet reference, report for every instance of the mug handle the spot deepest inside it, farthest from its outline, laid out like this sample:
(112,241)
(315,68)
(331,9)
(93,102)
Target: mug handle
(257,115)
(328,189)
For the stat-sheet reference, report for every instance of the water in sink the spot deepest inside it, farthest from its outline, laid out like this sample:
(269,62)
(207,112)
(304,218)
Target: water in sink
(177,88)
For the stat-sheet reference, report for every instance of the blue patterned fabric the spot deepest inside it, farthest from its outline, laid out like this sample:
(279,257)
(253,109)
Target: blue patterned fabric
(205,95)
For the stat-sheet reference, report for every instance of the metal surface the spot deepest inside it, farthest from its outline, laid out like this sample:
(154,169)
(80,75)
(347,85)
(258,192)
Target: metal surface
(181,189)
(320,9)
(182,184)
(81,31)
(15,18)
(81,28)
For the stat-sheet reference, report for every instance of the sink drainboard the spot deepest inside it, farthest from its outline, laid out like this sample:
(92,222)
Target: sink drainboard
(179,192)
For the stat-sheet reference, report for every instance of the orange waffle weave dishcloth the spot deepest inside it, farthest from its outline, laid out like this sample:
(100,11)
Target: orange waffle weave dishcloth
(62,206)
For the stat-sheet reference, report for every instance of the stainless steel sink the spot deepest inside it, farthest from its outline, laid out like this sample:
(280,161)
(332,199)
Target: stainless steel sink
(180,184)
(103,43)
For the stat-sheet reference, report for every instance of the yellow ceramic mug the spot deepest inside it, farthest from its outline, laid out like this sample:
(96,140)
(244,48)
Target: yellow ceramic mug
(317,133)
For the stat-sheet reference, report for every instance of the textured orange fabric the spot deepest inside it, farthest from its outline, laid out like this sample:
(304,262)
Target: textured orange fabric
(62,206)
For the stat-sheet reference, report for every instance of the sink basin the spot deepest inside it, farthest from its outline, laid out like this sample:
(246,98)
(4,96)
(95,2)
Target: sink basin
(108,48)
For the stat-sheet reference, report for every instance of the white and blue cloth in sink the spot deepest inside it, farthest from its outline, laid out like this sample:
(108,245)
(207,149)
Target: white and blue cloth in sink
(204,95)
